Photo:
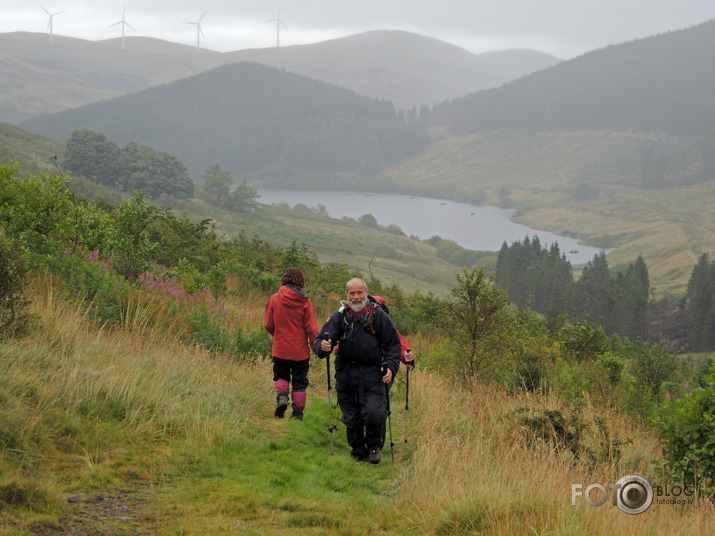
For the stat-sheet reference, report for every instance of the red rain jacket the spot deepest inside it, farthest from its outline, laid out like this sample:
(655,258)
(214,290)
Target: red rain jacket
(290,319)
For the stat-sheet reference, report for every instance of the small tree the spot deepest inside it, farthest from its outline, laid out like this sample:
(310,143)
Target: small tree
(133,247)
(478,323)
(218,183)
(241,198)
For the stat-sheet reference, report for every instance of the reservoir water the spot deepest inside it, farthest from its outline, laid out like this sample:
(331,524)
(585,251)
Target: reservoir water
(483,228)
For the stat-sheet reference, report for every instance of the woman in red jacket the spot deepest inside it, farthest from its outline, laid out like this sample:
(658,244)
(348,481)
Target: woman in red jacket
(290,319)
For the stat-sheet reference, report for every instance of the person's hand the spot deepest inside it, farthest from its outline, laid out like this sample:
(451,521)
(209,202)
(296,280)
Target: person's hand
(387,378)
(326,345)
(408,357)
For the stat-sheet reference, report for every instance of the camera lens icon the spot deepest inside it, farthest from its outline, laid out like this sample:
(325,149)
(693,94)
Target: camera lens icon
(634,494)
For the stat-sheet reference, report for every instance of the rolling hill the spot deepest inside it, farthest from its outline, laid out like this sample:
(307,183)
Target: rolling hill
(248,117)
(41,77)
(664,83)
(576,152)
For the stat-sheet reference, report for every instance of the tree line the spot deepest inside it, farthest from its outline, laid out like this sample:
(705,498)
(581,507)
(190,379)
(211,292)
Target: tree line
(127,169)
(620,301)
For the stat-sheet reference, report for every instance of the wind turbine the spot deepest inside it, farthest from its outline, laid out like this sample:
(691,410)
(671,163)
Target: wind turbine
(123,23)
(49,24)
(199,31)
(279,23)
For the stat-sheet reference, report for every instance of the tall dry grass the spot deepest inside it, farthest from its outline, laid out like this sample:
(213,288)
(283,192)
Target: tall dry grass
(80,397)
(477,470)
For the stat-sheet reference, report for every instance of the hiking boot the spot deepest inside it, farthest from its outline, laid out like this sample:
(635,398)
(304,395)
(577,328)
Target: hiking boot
(358,456)
(282,405)
(298,415)
(375,455)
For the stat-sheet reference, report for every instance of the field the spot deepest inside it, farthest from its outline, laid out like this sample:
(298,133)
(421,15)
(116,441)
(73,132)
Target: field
(132,430)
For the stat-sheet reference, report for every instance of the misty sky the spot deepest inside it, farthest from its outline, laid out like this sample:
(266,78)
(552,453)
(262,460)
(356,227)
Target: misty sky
(564,28)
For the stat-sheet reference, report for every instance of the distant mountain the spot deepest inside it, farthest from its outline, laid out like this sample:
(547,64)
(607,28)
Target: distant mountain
(39,76)
(664,83)
(402,67)
(248,117)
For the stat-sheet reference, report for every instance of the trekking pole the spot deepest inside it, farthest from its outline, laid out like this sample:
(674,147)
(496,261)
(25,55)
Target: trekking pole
(332,426)
(389,422)
(407,398)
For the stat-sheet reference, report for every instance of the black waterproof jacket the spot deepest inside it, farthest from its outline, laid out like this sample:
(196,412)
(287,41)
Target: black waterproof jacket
(359,347)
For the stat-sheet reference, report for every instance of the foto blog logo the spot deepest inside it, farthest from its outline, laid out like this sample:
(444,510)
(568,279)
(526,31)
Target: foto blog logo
(632,494)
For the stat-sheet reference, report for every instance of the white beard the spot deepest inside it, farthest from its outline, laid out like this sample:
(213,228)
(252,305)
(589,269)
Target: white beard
(357,305)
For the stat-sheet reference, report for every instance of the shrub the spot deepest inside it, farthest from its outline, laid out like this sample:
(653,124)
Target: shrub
(582,341)
(13,272)
(654,365)
(91,278)
(210,331)
(687,431)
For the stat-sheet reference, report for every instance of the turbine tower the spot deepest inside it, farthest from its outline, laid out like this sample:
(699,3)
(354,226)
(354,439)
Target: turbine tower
(123,23)
(199,31)
(49,24)
(279,23)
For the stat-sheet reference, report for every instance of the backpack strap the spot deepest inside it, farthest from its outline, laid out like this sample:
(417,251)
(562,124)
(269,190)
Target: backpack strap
(364,318)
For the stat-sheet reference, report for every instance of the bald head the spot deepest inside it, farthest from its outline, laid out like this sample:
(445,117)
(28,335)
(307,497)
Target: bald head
(356,290)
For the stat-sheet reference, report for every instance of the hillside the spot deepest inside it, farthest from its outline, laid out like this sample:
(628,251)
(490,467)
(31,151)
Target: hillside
(389,257)
(637,190)
(40,77)
(34,153)
(662,83)
(135,427)
(582,184)
(248,117)
(407,69)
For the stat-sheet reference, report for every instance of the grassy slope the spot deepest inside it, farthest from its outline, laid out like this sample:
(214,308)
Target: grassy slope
(411,263)
(33,152)
(160,436)
(670,227)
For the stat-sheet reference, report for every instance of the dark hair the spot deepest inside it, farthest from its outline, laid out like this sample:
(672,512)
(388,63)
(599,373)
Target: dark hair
(293,276)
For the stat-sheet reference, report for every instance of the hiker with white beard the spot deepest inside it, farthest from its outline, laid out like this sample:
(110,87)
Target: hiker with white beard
(368,359)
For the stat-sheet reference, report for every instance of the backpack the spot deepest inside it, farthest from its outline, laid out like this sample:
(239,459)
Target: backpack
(364,318)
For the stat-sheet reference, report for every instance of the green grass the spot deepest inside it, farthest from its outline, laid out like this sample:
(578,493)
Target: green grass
(184,441)
(159,436)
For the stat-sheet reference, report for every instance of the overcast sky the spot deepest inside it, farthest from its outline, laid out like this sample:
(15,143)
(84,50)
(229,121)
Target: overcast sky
(564,28)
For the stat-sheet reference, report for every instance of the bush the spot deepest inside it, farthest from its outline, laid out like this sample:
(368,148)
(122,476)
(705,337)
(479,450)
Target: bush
(582,341)
(91,278)
(687,431)
(211,331)
(654,365)
(13,272)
